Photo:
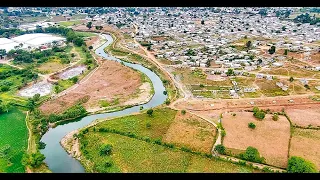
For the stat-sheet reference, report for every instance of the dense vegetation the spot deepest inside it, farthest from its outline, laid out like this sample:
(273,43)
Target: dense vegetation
(306,18)
(300,165)
(253,155)
(258,113)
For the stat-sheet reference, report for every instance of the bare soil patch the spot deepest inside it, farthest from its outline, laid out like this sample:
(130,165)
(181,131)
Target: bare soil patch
(191,131)
(112,81)
(305,143)
(304,115)
(271,138)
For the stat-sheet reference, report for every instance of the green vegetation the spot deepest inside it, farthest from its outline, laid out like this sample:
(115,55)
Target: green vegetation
(272,50)
(259,114)
(306,18)
(183,112)
(13,141)
(253,155)
(84,34)
(300,165)
(70,23)
(71,113)
(220,149)
(33,160)
(275,117)
(251,125)
(150,112)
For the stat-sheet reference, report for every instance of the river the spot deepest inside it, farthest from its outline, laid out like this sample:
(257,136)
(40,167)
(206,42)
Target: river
(58,160)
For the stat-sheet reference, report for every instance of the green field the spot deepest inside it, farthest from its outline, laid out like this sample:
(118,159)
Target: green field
(160,122)
(84,34)
(70,23)
(13,132)
(133,155)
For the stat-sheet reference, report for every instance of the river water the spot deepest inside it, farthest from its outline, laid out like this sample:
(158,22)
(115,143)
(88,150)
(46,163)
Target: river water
(58,160)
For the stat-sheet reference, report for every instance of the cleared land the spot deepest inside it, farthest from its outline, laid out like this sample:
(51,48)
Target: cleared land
(304,116)
(305,143)
(111,82)
(271,138)
(51,66)
(14,134)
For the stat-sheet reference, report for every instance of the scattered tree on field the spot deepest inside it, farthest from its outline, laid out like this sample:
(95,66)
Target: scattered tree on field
(291,79)
(220,149)
(89,25)
(275,117)
(106,150)
(251,125)
(150,112)
(183,112)
(253,155)
(272,50)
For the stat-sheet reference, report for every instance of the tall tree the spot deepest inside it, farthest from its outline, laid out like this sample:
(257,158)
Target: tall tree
(89,25)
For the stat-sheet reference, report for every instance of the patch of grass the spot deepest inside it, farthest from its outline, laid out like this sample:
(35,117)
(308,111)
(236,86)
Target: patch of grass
(133,155)
(160,122)
(13,132)
(70,23)
(84,34)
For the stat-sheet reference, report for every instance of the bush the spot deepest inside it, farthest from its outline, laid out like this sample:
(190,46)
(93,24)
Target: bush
(183,112)
(223,133)
(148,125)
(106,150)
(158,141)
(234,114)
(34,160)
(201,85)
(165,92)
(42,145)
(251,125)
(258,113)
(275,117)
(300,165)
(167,102)
(150,112)
(252,154)
(220,149)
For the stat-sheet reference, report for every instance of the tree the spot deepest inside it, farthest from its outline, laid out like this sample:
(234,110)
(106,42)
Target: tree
(285,52)
(252,154)
(202,22)
(300,165)
(165,92)
(275,117)
(3,52)
(183,112)
(260,115)
(74,79)
(149,112)
(283,28)
(272,50)
(34,160)
(90,47)
(248,44)
(89,25)
(259,61)
(291,79)
(106,150)
(251,125)
(220,149)
(30,104)
(230,72)
(223,133)
(36,97)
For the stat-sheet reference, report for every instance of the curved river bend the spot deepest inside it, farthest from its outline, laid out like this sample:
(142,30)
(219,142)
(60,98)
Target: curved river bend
(58,160)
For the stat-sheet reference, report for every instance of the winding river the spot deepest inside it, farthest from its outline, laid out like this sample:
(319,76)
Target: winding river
(58,160)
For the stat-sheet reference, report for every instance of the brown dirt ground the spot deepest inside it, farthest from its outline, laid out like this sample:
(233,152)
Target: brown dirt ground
(91,40)
(305,143)
(304,115)
(271,138)
(191,131)
(110,81)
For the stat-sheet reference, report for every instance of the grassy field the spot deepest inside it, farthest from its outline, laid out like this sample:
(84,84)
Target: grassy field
(160,122)
(84,34)
(15,81)
(133,155)
(53,65)
(70,23)
(13,133)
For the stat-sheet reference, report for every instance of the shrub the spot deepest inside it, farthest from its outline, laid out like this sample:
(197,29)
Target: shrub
(275,117)
(234,114)
(165,92)
(291,79)
(158,141)
(150,112)
(223,133)
(300,165)
(220,149)
(252,154)
(106,150)
(33,160)
(108,164)
(183,112)
(141,107)
(201,85)
(42,145)
(185,149)
(260,115)
(167,102)
(251,125)
(148,125)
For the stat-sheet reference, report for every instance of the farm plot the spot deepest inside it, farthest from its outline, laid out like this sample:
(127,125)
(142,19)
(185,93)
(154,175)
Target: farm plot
(305,143)
(14,136)
(112,82)
(191,131)
(271,138)
(43,88)
(304,115)
(270,89)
